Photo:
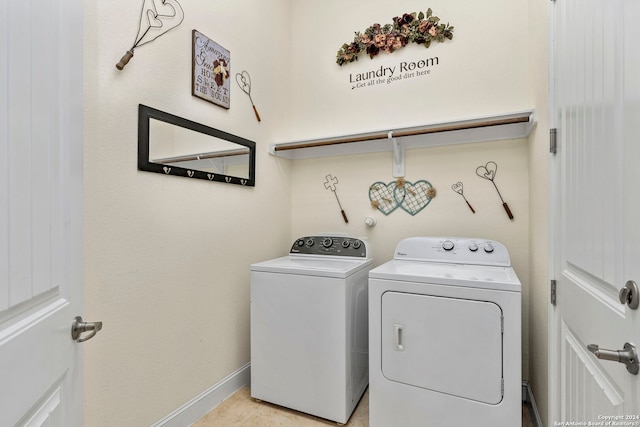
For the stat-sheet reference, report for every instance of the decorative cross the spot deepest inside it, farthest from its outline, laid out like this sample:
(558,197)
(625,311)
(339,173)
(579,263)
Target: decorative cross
(331,183)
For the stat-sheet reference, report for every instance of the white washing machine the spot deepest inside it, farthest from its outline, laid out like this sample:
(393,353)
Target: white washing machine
(309,333)
(444,319)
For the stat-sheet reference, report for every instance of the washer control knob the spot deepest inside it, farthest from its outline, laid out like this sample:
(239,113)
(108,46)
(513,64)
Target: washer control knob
(300,242)
(356,244)
(473,247)
(327,242)
(309,242)
(488,248)
(345,244)
(447,245)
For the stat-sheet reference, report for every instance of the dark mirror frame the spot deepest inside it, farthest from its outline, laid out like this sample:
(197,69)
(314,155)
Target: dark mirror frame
(145,114)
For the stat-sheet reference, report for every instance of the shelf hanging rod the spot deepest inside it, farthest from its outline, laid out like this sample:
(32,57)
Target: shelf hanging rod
(411,132)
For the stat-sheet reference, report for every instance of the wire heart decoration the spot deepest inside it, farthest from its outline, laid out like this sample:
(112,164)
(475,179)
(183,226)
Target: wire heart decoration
(488,172)
(459,188)
(157,17)
(411,197)
(244,81)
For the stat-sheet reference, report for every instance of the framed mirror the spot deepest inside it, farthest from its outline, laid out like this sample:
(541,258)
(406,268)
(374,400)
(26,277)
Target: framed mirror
(173,145)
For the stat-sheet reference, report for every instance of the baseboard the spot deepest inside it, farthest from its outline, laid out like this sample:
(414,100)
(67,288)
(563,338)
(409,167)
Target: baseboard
(527,396)
(200,405)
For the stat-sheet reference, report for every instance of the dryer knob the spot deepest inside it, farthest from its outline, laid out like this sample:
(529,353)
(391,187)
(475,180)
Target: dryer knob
(356,244)
(327,242)
(309,242)
(473,247)
(488,248)
(447,245)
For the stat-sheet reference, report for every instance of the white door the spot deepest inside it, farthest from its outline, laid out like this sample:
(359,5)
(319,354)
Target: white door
(597,226)
(40,211)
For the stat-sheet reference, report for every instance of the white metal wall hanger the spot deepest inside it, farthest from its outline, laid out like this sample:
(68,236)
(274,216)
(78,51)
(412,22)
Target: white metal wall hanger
(398,156)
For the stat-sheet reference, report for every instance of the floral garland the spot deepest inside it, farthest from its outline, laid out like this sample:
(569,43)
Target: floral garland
(410,28)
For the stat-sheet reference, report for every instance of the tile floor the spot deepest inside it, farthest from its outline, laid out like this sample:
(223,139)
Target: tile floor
(243,411)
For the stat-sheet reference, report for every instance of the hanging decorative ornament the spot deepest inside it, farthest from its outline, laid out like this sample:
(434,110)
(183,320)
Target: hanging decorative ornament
(458,188)
(244,81)
(420,28)
(411,197)
(488,172)
(157,18)
(330,184)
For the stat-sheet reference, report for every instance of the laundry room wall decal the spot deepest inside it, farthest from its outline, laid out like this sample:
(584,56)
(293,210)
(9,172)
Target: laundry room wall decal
(401,71)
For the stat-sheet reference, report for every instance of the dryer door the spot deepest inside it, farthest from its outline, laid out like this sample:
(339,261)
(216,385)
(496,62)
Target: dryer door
(447,345)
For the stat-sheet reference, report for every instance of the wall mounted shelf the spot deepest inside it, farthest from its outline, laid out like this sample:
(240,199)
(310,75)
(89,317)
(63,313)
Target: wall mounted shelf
(489,128)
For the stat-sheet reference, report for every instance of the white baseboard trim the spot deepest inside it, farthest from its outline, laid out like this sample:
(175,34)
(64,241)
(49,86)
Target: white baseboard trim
(527,396)
(200,405)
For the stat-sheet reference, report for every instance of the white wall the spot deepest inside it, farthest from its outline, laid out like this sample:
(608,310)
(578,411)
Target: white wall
(484,70)
(167,258)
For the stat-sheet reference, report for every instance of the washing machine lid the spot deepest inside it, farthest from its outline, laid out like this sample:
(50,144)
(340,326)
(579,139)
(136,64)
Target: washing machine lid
(464,275)
(325,266)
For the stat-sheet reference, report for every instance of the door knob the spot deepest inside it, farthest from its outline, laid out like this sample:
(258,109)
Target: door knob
(629,295)
(78,327)
(628,356)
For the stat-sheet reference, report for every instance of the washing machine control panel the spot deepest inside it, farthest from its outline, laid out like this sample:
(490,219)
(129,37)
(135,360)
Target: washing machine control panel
(459,250)
(329,245)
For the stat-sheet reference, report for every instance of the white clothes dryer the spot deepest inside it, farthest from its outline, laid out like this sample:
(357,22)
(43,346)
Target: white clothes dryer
(445,336)
(309,332)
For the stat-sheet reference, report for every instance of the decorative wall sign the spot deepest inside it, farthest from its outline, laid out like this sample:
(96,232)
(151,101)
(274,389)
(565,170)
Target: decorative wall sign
(488,172)
(410,28)
(157,17)
(412,197)
(211,70)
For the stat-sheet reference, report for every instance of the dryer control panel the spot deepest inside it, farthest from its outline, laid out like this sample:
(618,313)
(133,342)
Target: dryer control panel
(330,245)
(457,250)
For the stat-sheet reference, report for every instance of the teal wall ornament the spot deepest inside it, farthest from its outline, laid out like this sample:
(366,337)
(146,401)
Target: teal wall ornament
(412,197)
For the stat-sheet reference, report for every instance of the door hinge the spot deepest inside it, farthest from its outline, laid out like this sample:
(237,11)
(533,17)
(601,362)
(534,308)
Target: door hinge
(553,292)
(553,140)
